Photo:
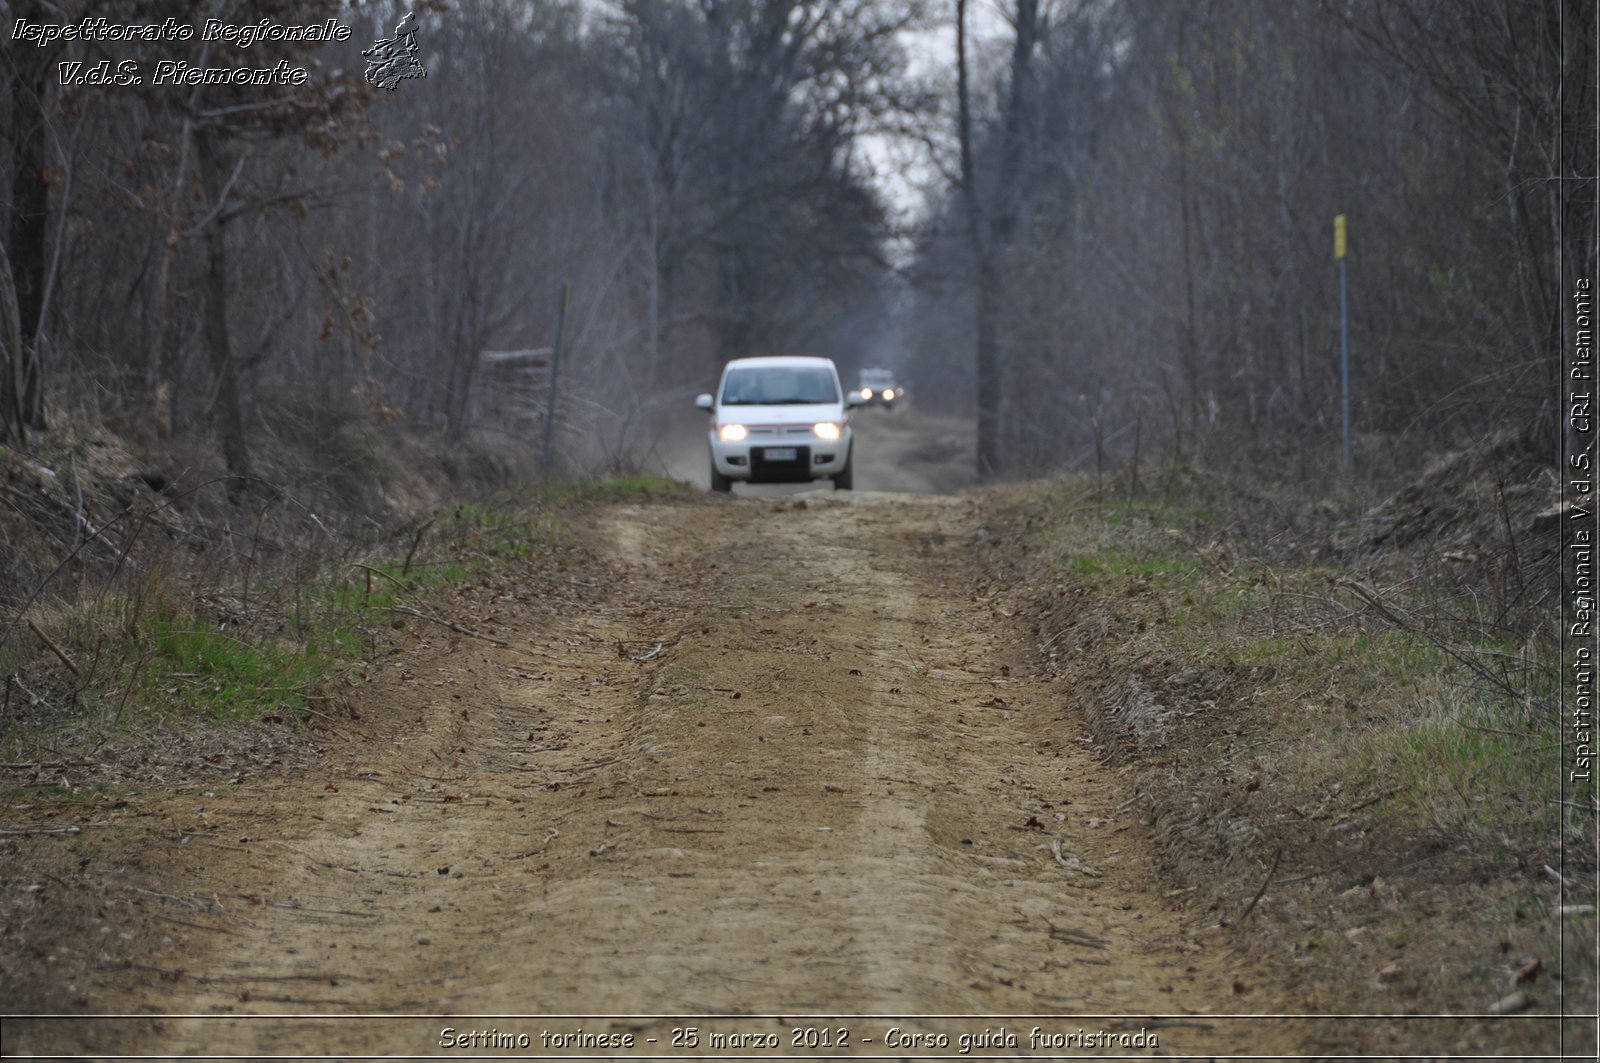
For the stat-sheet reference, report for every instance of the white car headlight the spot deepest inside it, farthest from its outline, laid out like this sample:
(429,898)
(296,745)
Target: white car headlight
(888,394)
(866,393)
(732,433)
(826,430)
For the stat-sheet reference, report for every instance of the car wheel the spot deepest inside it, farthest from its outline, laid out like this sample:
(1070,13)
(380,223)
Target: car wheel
(719,482)
(845,478)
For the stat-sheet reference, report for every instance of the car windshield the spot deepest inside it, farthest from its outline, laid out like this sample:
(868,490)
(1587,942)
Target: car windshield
(779,386)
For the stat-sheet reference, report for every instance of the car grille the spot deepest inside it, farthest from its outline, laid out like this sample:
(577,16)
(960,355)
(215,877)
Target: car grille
(773,431)
(777,471)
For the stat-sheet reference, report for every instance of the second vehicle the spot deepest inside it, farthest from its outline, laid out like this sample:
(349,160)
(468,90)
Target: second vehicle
(877,387)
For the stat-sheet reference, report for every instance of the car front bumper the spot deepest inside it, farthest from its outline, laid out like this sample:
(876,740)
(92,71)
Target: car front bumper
(794,459)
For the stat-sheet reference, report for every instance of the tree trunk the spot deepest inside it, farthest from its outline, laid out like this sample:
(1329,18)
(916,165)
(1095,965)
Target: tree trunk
(989,390)
(229,412)
(1191,347)
(1575,206)
(990,230)
(735,303)
(12,426)
(164,355)
(463,371)
(30,198)
(653,323)
(977,239)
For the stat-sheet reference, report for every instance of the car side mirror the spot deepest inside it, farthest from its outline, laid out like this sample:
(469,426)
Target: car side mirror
(703,401)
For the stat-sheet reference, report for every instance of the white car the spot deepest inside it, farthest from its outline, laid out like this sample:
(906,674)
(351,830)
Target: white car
(780,420)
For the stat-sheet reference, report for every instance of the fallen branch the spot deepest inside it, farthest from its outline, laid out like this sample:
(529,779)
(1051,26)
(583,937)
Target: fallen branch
(355,870)
(50,644)
(237,979)
(1395,616)
(1264,883)
(170,973)
(1071,862)
(451,624)
(1075,937)
(212,928)
(1371,801)
(1371,597)
(380,572)
(1054,639)
(16,681)
(46,765)
(405,569)
(191,902)
(293,907)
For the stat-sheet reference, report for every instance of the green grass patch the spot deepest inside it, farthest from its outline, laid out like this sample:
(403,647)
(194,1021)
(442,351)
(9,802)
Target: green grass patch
(1166,570)
(49,791)
(200,670)
(1067,504)
(1469,770)
(1361,660)
(476,530)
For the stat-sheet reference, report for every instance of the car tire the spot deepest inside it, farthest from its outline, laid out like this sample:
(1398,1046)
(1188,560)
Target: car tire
(845,478)
(719,482)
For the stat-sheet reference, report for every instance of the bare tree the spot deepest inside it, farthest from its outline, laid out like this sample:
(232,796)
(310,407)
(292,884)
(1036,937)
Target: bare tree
(992,218)
(748,112)
(1518,78)
(27,79)
(1146,208)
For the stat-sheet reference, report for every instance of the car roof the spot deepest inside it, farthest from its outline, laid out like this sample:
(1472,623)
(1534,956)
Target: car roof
(780,361)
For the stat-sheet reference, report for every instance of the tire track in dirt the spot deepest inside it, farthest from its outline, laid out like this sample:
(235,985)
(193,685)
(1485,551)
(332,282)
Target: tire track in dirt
(786,766)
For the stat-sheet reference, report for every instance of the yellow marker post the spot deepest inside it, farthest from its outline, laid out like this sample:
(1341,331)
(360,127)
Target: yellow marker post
(1339,247)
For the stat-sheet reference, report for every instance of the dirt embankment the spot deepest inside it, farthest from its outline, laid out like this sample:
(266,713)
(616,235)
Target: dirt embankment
(1312,774)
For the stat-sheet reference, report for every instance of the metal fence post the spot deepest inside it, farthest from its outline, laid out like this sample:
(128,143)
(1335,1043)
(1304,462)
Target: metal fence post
(555,383)
(1344,328)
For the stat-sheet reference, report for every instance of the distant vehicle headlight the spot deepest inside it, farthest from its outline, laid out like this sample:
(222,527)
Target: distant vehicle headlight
(732,433)
(888,394)
(826,430)
(866,393)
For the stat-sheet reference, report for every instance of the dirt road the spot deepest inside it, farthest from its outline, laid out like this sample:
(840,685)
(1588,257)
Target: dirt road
(784,766)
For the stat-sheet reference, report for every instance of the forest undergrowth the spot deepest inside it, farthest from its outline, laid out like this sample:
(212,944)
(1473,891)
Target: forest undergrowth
(157,613)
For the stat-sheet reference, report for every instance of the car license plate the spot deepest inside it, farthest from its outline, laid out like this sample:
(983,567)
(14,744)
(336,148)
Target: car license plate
(780,454)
